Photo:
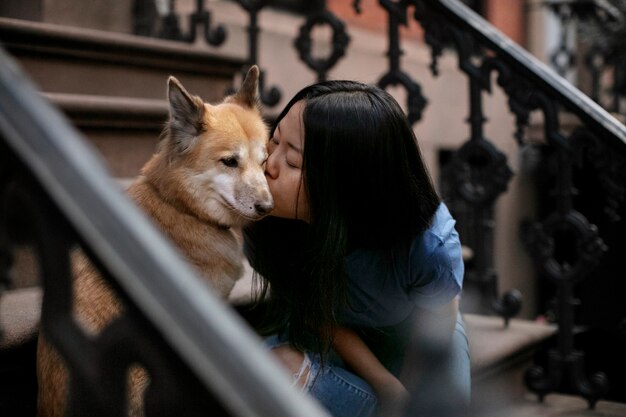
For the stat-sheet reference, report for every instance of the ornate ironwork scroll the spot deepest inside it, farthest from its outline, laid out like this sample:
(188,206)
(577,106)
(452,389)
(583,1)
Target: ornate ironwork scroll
(270,97)
(416,102)
(304,42)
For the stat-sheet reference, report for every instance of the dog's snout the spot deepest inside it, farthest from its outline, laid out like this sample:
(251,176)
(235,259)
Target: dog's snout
(263,208)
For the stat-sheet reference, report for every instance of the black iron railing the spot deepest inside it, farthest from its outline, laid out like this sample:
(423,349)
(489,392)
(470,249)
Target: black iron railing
(56,196)
(566,246)
(531,86)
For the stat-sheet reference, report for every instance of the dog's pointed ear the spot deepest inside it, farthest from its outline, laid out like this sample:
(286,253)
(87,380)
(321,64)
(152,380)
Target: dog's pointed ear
(248,94)
(187,119)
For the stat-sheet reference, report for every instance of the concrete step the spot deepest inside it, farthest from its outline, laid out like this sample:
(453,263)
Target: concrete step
(19,316)
(500,356)
(70,60)
(112,86)
(124,130)
(557,405)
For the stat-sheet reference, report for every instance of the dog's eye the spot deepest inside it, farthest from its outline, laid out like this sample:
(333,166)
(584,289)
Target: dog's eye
(230,162)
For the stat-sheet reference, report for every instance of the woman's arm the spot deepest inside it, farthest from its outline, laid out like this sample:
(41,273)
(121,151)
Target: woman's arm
(362,361)
(431,338)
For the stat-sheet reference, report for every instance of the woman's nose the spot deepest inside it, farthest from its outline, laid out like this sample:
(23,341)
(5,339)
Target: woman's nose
(271,166)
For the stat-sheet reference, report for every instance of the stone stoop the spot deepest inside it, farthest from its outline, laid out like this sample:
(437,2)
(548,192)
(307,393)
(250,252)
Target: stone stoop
(499,355)
(112,86)
(558,405)
(125,131)
(71,60)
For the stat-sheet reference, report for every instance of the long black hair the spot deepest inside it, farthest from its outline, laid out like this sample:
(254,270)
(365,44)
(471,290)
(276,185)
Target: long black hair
(367,187)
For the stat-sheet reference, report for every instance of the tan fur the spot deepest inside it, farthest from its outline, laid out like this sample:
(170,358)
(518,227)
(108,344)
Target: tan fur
(198,199)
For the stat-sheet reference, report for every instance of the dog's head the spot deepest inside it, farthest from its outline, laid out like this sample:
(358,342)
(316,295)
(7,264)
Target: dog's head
(212,157)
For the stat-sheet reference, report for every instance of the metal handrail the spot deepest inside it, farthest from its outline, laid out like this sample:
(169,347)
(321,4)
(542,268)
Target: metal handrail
(536,71)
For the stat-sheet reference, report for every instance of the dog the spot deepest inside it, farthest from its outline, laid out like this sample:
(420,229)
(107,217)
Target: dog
(205,182)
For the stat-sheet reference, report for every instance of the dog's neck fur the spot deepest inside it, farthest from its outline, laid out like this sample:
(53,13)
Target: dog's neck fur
(168,207)
(179,206)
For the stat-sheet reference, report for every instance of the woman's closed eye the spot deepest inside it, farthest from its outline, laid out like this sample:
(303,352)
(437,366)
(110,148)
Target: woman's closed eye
(292,164)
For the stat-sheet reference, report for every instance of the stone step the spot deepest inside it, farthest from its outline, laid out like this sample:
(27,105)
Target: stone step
(124,130)
(557,405)
(70,60)
(19,316)
(494,349)
(112,86)
(500,356)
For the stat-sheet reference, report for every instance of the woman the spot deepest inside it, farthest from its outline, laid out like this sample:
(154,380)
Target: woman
(358,244)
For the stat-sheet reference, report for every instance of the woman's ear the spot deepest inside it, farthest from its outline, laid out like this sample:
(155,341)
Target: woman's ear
(248,94)
(187,116)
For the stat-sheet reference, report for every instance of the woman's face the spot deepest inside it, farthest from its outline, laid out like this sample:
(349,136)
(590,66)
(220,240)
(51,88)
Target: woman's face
(284,167)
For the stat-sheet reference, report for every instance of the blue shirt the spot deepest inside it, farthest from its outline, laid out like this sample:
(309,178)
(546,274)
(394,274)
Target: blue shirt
(385,286)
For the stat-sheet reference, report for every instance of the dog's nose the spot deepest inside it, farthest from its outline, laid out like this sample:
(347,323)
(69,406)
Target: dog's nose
(263,208)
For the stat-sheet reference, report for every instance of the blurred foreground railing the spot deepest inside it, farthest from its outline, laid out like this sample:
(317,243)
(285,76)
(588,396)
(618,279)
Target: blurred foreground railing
(56,195)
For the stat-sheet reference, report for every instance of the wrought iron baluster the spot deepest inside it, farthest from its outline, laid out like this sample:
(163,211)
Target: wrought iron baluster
(416,102)
(199,19)
(478,172)
(594,60)
(565,368)
(435,36)
(619,84)
(611,171)
(602,26)
(202,18)
(563,57)
(269,97)
(525,94)
(170,25)
(144,17)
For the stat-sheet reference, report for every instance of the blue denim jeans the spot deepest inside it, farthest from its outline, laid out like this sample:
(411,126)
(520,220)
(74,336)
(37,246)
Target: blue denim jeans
(345,394)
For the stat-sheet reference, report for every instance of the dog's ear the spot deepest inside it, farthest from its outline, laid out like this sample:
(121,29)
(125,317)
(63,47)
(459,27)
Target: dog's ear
(248,94)
(186,120)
